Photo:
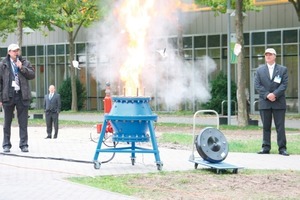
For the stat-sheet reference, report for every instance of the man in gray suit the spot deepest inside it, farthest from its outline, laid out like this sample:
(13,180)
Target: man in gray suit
(52,106)
(271,81)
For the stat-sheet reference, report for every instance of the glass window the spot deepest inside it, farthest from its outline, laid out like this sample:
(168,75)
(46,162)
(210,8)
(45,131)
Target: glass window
(187,42)
(24,52)
(51,74)
(40,60)
(61,59)
(246,39)
(60,49)
(290,36)
(60,74)
(3,52)
(188,54)
(274,37)
(258,38)
(40,50)
(213,40)
(67,49)
(51,60)
(31,51)
(214,53)
(258,55)
(51,50)
(80,48)
(290,50)
(199,53)
(224,40)
(200,41)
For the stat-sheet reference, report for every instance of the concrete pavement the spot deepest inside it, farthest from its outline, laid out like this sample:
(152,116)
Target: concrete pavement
(42,173)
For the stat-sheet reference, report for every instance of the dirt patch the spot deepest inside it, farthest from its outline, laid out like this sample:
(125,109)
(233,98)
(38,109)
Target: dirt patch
(205,184)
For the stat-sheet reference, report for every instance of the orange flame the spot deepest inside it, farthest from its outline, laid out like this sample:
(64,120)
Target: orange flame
(135,17)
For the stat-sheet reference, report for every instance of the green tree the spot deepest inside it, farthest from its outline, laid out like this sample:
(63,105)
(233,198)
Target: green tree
(240,6)
(17,14)
(66,94)
(296,4)
(70,16)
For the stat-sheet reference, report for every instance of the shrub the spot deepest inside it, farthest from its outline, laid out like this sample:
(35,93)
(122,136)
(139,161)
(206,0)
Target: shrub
(219,94)
(65,92)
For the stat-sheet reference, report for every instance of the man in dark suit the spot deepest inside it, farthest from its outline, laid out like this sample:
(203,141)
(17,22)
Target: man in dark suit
(15,73)
(271,81)
(52,106)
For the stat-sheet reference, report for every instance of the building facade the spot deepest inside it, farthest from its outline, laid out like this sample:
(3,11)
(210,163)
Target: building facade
(276,26)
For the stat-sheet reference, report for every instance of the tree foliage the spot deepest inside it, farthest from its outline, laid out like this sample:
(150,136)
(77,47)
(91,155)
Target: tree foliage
(240,6)
(27,13)
(296,4)
(70,16)
(220,6)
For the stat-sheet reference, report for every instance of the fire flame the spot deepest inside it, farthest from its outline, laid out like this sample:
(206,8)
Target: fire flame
(135,16)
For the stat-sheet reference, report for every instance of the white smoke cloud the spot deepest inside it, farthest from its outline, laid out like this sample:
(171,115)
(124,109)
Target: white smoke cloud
(169,79)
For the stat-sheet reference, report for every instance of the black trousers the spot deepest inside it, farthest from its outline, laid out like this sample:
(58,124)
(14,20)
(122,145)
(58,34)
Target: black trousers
(52,120)
(279,121)
(22,115)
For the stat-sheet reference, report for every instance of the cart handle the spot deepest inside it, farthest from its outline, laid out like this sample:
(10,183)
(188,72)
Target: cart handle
(194,127)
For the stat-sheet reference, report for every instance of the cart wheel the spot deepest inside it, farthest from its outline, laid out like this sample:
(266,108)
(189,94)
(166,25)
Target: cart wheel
(235,171)
(159,166)
(97,165)
(196,165)
(132,161)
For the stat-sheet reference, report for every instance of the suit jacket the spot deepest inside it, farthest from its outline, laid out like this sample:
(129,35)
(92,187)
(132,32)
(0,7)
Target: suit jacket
(53,105)
(277,85)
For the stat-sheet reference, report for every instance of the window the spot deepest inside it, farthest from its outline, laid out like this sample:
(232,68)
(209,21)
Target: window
(60,49)
(213,40)
(51,50)
(274,37)
(200,41)
(31,51)
(80,48)
(290,36)
(246,39)
(40,50)
(187,42)
(258,38)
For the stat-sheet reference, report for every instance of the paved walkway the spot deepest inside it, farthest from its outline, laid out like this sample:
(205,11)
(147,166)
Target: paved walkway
(42,173)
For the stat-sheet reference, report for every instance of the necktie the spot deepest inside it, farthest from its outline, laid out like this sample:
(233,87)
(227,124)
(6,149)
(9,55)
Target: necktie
(51,95)
(16,70)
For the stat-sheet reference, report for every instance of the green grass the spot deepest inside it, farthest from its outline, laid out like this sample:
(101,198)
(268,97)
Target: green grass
(235,145)
(111,183)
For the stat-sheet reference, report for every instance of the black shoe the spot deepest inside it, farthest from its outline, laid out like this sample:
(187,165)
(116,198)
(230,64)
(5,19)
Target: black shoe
(55,136)
(24,149)
(6,150)
(284,153)
(48,137)
(263,151)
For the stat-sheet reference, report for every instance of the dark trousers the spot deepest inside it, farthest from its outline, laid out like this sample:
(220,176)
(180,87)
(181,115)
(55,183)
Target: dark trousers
(52,120)
(279,121)
(22,115)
